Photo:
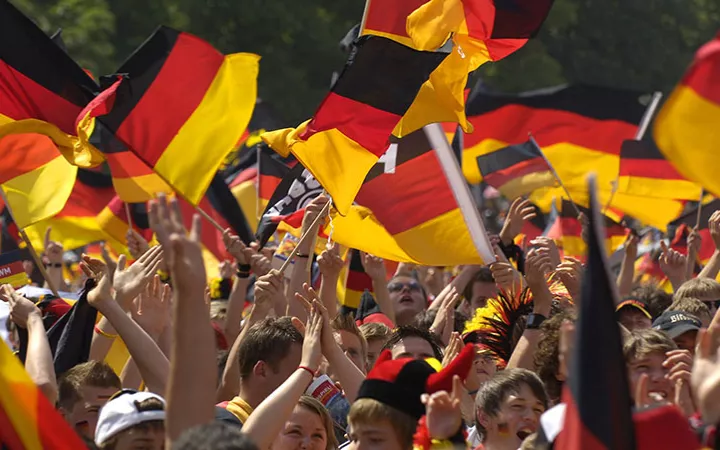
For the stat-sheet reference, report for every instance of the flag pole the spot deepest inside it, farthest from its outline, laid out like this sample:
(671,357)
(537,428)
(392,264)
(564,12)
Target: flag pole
(207,217)
(304,237)
(699,211)
(437,138)
(642,129)
(555,174)
(128,214)
(257,184)
(31,249)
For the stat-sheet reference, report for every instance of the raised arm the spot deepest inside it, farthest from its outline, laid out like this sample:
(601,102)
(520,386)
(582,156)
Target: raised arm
(627,267)
(375,268)
(330,264)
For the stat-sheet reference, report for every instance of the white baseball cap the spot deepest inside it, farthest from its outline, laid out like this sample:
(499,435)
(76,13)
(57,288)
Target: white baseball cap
(123,411)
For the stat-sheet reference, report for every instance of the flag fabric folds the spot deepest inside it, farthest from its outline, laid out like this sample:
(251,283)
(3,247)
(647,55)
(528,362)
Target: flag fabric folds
(580,128)
(644,171)
(27,419)
(181,107)
(35,177)
(686,128)
(597,393)
(42,89)
(516,170)
(571,239)
(351,129)
(352,287)
(682,225)
(406,210)
(12,271)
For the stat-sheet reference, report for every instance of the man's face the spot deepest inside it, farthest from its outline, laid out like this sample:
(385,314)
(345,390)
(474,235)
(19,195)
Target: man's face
(350,344)
(481,292)
(652,365)
(379,435)
(634,319)
(412,347)
(407,299)
(84,414)
(518,418)
(686,341)
(141,438)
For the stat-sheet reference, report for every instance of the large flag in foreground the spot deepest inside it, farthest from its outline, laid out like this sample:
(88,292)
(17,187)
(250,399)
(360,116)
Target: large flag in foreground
(181,107)
(351,129)
(27,419)
(686,129)
(597,394)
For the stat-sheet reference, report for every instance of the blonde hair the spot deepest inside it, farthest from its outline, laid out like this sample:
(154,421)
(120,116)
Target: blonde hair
(698,288)
(692,306)
(375,330)
(313,405)
(368,411)
(641,343)
(347,323)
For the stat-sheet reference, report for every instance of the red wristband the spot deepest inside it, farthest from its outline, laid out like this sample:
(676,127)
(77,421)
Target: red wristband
(310,371)
(102,333)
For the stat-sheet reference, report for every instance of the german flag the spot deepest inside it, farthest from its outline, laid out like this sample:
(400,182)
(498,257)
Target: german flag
(580,128)
(12,271)
(351,129)
(44,93)
(516,170)
(181,107)
(75,225)
(481,32)
(598,414)
(35,177)
(572,242)
(406,210)
(681,227)
(645,172)
(686,128)
(27,419)
(270,174)
(355,284)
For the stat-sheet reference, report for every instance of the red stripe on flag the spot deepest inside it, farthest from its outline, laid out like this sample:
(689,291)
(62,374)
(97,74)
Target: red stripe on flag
(703,74)
(126,164)
(649,168)
(187,50)
(390,16)
(370,127)
(425,194)
(574,434)
(518,170)
(267,186)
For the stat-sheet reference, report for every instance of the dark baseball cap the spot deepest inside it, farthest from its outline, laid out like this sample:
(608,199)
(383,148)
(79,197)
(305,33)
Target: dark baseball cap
(675,323)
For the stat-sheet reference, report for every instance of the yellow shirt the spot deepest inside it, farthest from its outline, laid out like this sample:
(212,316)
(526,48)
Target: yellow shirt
(239,408)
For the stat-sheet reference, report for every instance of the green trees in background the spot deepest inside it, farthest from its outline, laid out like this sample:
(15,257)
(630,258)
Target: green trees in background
(641,44)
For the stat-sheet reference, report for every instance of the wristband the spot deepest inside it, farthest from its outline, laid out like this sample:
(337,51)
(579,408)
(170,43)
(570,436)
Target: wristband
(302,255)
(309,370)
(243,268)
(240,274)
(55,265)
(102,333)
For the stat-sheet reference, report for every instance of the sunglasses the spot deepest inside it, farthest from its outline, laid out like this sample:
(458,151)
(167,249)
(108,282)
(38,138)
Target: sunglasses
(397,286)
(711,303)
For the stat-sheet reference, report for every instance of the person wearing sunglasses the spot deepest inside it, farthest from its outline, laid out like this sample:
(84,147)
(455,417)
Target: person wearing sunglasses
(407,297)
(704,289)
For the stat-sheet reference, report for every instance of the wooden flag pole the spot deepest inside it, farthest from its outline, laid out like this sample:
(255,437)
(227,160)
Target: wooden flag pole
(555,174)
(304,237)
(207,217)
(38,261)
(642,129)
(129,214)
(257,184)
(699,211)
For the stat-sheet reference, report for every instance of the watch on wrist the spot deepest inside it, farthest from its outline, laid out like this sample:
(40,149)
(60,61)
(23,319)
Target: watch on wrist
(534,320)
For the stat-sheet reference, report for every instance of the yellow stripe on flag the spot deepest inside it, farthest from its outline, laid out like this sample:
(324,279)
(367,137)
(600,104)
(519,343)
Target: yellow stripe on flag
(193,156)
(41,193)
(18,398)
(246,195)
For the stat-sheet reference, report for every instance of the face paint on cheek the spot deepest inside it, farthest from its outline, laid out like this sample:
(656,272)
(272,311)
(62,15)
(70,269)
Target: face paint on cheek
(503,429)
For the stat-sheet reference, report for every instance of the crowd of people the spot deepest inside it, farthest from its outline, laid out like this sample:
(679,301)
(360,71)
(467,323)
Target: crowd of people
(470,357)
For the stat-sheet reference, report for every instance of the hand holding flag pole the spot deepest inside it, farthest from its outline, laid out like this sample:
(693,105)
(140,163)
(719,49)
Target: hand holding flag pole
(699,211)
(309,233)
(31,249)
(555,174)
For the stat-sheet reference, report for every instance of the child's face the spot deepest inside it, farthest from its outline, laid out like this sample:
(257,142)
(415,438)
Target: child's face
(378,435)
(518,418)
(652,365)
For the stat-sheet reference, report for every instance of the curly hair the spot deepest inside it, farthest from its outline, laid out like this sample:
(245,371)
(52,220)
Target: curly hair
(547,361)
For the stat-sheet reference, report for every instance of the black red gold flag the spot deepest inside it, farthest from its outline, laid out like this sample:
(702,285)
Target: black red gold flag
(516,170)
(351,129)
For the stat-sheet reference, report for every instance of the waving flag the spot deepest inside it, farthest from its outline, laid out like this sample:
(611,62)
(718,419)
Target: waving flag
(686,129)
(516,170)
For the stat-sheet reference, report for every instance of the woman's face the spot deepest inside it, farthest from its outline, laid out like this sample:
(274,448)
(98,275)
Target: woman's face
(303,430)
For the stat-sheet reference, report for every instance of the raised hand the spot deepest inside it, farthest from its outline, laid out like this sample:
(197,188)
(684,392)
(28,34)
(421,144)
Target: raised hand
(547,244)
(310,298)
(453,349)
(101,295)
(152,307)
(705,377)
(714,226)
(137,245)
(374,266)
(227,270)
(505,275)
(129,282)
(444,322)
(313,210)
(53,250)
(442,411)
(20,308)
(269,290)
(520,211)
(330,263)
(312,347)
(680,364)
(672,263)
(235,246)
(570,273)
(631,246)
